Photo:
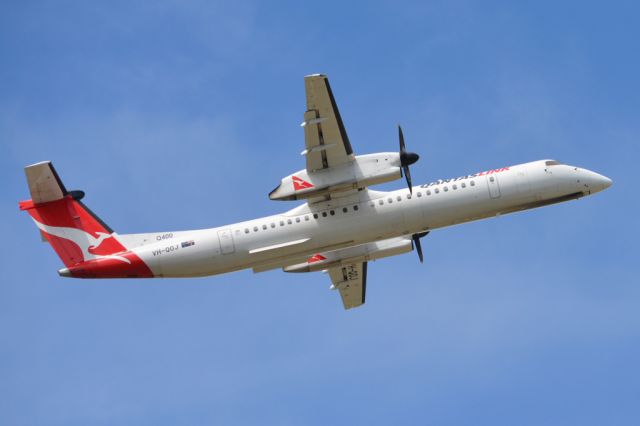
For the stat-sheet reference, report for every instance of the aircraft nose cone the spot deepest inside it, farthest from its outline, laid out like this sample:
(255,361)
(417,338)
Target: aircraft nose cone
(597,182)
(601,182)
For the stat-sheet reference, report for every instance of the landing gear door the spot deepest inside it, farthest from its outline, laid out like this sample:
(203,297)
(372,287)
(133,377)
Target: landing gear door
(494,186)
(226,241)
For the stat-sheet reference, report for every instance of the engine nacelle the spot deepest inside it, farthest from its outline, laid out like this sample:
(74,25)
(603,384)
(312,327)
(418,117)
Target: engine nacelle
(364,170)
(361,253)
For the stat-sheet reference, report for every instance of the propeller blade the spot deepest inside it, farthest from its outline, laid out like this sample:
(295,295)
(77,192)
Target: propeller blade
(418,246)
(416,242)
(406,159)
(407,175)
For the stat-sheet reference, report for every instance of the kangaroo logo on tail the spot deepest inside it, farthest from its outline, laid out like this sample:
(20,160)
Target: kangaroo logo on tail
(82,239)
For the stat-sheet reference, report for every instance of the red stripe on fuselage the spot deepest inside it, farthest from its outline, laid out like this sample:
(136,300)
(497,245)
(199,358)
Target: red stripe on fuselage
(110,268)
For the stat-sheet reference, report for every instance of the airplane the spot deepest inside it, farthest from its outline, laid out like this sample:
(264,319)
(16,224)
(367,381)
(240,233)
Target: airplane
(342,224)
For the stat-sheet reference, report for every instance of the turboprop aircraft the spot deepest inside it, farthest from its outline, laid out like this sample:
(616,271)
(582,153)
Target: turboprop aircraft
(342,224)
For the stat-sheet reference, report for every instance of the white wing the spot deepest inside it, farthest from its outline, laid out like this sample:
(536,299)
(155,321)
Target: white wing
(351,281)
(327,143)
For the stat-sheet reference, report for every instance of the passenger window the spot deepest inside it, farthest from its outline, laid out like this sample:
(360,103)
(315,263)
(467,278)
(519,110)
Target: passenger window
(264,227)
(297,220)
(420,194)
(464,185)
(255,229)
(306,218)
(428,192)
(246,230)
(437,191)
(472,183)
(408,196)
(492,179)
(282,223)
(381,202)
(324,214)
(344,210)
(273,225)
(389,200)
(315,215)
(332,212)
(399,198)
(455,186)
(446,189)
(289,221)
(355,208)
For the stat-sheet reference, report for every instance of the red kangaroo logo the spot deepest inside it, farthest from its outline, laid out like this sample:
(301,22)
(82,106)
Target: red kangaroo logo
(299,184)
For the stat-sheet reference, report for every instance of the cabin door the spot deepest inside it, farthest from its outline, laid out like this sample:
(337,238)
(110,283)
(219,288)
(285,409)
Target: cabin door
(494,186)
(226,241)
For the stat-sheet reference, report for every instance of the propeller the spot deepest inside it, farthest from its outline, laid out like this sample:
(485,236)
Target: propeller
(416,243)
(406,159)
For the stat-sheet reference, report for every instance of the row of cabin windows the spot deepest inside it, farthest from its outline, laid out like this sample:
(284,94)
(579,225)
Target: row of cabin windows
(298,220)
(333,212)
(427,192)
(355,207)
(446,188)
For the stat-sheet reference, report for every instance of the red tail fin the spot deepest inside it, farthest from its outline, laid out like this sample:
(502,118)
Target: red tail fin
(86,245)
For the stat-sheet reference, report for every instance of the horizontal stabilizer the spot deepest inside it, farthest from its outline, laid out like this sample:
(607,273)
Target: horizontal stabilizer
(44,183)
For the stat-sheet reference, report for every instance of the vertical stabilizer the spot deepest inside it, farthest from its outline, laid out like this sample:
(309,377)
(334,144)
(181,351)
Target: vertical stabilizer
(84,243)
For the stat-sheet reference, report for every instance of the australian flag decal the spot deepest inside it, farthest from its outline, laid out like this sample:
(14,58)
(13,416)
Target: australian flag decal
(187,243)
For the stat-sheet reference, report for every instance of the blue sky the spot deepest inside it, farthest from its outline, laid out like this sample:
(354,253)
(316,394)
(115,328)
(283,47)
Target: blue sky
(180,115)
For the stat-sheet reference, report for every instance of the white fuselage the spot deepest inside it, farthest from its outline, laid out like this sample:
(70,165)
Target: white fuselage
(364,217)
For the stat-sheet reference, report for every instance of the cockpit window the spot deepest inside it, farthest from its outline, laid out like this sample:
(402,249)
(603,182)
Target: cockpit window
(552,163)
